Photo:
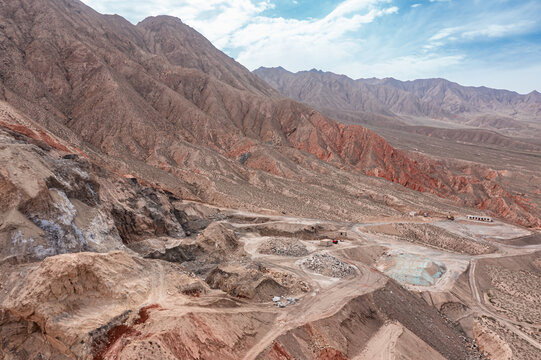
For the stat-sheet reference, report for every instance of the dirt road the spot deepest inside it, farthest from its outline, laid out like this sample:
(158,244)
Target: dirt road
(328,296)
(484,310)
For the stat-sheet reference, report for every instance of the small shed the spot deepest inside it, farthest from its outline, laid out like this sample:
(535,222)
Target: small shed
(326,243)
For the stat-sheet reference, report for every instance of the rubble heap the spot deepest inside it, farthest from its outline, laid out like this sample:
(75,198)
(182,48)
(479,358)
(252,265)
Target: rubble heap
(328,265)
(283,247)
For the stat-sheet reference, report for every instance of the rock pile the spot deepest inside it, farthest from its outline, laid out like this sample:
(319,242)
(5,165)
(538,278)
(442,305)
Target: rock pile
(328,265)
(283,247)
(282,301)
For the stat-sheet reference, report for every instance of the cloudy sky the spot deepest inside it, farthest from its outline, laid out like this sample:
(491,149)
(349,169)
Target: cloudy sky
(496,43)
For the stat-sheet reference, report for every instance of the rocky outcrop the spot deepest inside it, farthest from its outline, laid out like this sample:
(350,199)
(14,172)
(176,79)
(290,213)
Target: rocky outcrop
(55,202)
(200,254)
(52,205)
(255,282)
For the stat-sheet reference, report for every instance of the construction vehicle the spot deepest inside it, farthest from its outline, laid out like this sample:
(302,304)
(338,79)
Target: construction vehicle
(451,217)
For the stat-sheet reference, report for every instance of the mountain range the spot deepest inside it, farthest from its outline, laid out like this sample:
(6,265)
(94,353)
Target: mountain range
(160,201)
(434,102)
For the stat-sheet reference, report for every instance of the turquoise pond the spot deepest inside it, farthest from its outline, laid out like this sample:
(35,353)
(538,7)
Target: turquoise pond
(413,269)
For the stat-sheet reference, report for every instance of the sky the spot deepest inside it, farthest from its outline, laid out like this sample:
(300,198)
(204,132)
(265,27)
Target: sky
(493,43)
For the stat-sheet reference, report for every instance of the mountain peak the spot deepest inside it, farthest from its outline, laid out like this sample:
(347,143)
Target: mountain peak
(165,19)
(272,69)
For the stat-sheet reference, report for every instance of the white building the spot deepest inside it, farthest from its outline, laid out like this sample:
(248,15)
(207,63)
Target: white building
(479,218)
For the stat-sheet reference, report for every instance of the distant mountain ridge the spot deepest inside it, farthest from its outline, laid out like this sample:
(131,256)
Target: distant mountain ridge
(436,100)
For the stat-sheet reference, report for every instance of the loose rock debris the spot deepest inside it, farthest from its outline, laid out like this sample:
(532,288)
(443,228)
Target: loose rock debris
(282,301)
(283,247)
(328,265)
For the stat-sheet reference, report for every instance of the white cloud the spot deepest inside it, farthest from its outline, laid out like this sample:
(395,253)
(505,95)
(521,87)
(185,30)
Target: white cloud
(350,6)
(239,24)
(474,31)
(444,33)
(497,30)
(241,27)
(215,19)
(289,42)
(416,5)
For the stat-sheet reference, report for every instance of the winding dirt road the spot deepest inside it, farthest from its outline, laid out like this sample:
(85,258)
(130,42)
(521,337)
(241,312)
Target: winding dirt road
(328,297)
(483,309)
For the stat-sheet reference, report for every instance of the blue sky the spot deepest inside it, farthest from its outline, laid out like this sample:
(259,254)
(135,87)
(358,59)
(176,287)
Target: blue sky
(495,43)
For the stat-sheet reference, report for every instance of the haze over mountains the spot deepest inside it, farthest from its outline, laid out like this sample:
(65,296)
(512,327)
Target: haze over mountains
(435,102)
(156,197)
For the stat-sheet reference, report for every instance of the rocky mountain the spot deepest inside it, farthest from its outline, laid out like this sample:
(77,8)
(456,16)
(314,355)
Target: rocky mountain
(159,95)
(160,201)
(436,102)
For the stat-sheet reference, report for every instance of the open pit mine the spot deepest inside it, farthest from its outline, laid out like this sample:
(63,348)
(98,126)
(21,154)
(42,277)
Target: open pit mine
(160,201)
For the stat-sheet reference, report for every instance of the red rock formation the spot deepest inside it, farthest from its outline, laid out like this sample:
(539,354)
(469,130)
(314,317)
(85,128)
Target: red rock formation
(278,352)
(331,354)
(110,346)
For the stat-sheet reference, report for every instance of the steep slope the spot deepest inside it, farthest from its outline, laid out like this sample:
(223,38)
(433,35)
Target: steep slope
(159,94)
(415,102)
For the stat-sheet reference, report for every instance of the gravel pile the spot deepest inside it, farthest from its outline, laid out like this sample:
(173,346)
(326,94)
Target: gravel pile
(328,265)
(283,247)
(282,301)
